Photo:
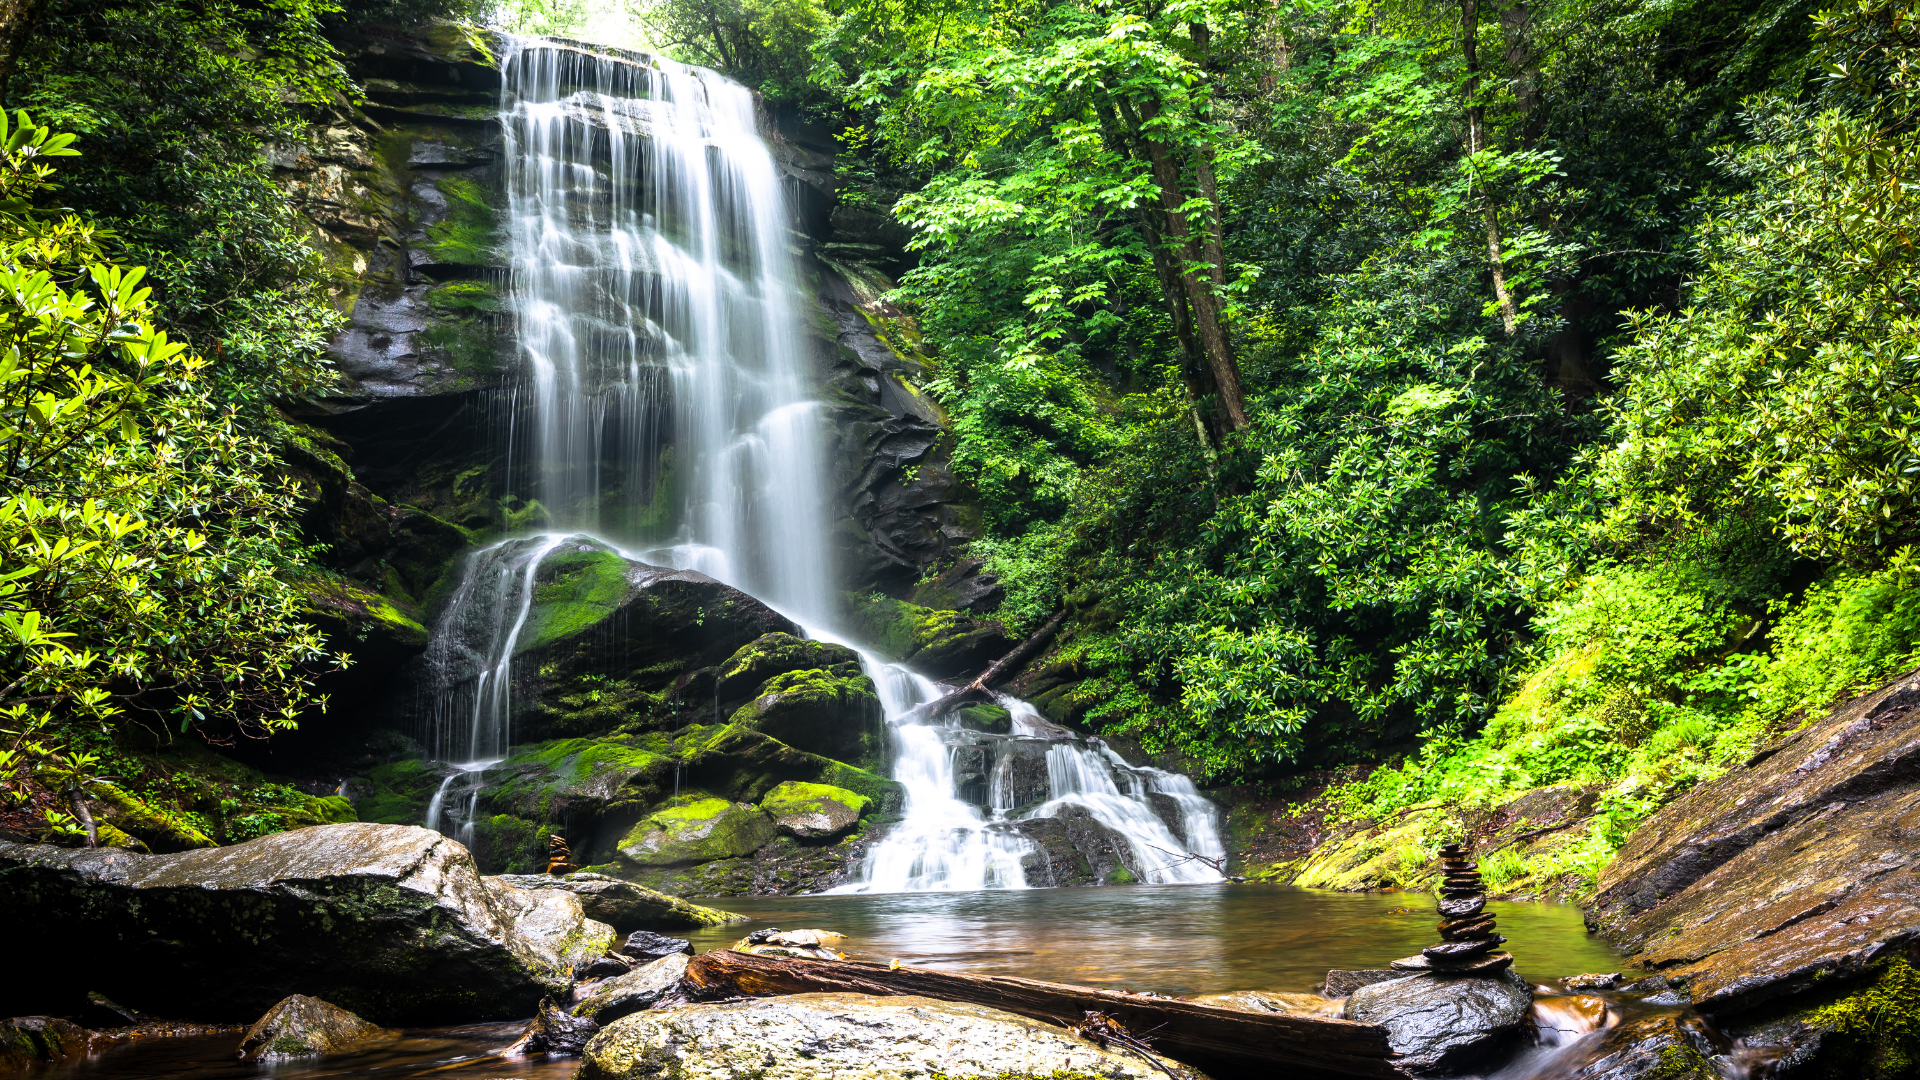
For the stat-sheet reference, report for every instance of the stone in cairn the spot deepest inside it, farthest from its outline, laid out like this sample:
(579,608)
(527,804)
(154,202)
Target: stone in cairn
(1467,940)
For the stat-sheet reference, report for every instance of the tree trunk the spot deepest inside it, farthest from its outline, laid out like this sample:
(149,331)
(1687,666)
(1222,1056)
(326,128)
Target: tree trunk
(1209,316)
(18,18)
(1476,140)
(1226,1042)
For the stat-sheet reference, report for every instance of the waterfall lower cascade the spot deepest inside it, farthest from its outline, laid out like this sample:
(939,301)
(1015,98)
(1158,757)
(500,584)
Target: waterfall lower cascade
(663,411)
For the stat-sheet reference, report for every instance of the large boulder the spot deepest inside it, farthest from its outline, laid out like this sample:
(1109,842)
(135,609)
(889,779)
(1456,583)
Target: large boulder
(814,811)
(1795,870)
(301,1026)
(389,921)
(1441,1024)
(740,678)
(636,991)
(625,906)
(1071,847)
(847,1037)
(697,831)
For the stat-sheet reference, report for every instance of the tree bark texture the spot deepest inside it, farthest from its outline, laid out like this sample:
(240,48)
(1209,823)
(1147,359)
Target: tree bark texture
(1476,140)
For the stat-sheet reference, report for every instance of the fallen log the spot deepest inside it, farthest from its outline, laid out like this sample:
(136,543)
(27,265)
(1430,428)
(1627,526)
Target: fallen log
(977,689)
(1223,1041)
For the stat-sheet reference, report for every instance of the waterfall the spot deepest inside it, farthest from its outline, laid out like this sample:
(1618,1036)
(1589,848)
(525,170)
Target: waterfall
(667,415)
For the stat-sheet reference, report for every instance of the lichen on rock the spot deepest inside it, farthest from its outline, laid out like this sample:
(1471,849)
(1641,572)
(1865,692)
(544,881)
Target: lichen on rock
(814,811)
(697,830)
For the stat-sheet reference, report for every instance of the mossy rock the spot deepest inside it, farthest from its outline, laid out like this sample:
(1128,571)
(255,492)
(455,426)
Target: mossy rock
(161,828)
(398,793)
(1398,854)
(834,712)
(510,845)
(982,717)
(740,678)
(934,642)
(697,830)
(575,589)
(814,811)
(565,777)
(744,764)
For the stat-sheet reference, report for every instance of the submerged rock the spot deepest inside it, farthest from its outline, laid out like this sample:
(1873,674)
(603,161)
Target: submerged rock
(29,1040)
(301,1026)
(389,921)
(1792,871)
(636,991)
(844,1036)
(1444,1024)
(1273,1001)
(796,944)
(1341,982)
(1666,1045)
(554,1031)
(624,905)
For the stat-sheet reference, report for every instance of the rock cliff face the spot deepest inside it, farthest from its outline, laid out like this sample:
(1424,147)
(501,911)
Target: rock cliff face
(1797,872)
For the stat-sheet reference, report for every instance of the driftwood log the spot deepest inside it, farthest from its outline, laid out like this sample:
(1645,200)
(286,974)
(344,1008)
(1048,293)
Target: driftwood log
(1227,1042)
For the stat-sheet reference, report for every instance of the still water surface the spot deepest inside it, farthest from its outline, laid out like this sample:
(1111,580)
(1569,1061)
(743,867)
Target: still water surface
(1170,939)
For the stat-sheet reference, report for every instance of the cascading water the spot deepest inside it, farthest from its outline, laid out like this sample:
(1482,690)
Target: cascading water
(653,292)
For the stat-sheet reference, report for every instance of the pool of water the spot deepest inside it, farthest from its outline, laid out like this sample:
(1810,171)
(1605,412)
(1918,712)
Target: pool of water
(1169,939)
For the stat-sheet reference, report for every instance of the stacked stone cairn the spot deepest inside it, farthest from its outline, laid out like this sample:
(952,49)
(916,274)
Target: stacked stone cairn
(1467,940)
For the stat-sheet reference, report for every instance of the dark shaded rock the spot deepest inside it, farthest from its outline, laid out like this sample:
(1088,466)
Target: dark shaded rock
(30,1040)
(626,906)
(1342,982)
(601,967)
(1797,868)
(1445,1024)
(847,1037)
(635,991)
(1462,909)
(301,1026)
(647,947)
(1171,814)
(1072,848)
(389,921)
(555,1032)
(1020,772)
(964,586)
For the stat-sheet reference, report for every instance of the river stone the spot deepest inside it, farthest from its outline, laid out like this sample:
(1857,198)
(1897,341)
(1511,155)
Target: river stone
(833,712)
(301,1026)
(555,1032)
(1665,1045)
(813,811)
(846,1037)
(1795,871)
(1443,1024)
(633,992)
(29,1040)
(624,905)
(552,923)
(647,946)
(391,922)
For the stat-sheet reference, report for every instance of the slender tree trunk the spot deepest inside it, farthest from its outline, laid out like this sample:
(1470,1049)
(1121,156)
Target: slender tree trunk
(1476,140)
(1209,316)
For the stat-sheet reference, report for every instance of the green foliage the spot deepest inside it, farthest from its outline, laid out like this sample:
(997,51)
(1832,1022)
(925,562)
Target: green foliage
(174,104)
(145,543)
(1877,1027)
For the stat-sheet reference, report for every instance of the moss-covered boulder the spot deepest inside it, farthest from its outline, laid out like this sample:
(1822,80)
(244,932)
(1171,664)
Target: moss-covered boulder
(398,792)
(834,712)
(744,764)
(983,717)
(697,830)
(743,674)
(934,642)
(814,811)
(26,1041)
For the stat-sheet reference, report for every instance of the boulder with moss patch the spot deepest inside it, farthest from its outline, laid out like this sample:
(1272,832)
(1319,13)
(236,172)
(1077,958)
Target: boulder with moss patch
(937,643)
(740,678)
(302,1026)
(625,905)
(697,830)
(834,713)
(814,811)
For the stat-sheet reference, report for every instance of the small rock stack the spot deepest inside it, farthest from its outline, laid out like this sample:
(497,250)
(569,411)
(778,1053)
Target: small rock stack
(1467,940)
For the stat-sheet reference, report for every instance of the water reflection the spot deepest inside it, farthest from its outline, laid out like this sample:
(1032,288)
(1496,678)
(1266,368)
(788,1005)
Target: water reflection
(452,1053)
(1168,939)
